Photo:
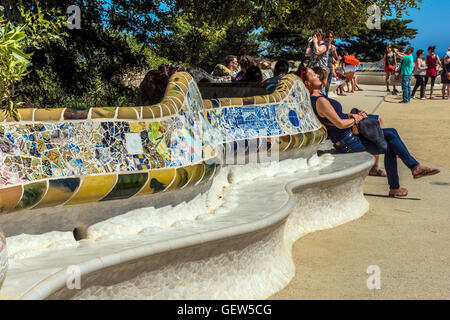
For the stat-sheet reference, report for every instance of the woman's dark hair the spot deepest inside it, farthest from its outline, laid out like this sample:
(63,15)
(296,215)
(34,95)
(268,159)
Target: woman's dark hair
(253,74)
(229,59)
(152,88)
(419,52)
(320,71)
(245,62)
(301,71)
(319,32)
(281,67)
(432,48)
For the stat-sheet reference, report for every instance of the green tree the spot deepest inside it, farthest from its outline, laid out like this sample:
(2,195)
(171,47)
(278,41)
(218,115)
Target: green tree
(18,40)
(370,45)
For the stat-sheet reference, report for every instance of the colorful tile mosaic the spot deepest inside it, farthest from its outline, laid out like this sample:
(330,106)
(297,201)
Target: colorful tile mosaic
(64,156)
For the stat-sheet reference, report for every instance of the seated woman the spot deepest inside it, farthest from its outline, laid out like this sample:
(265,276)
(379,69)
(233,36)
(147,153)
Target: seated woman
(339,125)
(253,74)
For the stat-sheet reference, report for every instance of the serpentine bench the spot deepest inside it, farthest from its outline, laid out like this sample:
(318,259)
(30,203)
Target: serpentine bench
(67,170)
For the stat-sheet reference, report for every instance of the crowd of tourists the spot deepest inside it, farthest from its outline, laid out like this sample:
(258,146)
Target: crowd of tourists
(424,70)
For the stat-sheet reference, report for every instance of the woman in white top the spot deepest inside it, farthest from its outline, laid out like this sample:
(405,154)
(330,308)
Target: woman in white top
(420,71)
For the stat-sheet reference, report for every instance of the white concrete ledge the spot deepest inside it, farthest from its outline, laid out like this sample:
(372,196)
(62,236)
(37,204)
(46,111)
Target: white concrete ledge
(244,254)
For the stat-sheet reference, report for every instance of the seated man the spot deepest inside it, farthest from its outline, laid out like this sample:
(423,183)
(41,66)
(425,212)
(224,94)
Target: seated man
(228,68)
(281,69)
(338,125)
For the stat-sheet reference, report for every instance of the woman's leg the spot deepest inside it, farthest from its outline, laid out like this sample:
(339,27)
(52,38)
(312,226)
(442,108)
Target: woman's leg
(432,87)
(422,88)
(352,81)
(416,86)
(388,74)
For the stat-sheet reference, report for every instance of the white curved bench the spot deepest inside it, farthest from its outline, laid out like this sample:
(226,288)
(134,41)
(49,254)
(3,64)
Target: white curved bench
(244,254)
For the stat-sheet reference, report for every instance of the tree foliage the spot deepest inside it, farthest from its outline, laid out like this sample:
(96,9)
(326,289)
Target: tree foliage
(88,67)
(371,44)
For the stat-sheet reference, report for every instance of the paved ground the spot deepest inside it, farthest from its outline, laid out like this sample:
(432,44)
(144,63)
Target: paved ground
(408,239)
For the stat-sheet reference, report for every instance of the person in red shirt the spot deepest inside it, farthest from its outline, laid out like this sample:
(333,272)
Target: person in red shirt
(433,63)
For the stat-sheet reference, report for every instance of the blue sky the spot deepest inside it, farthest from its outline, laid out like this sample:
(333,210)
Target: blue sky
(432,22)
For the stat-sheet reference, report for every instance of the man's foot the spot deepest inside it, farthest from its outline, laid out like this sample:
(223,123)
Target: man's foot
(423,98)
(422,171)
(431,97)
(401,192)
(375,171)
(395,91)
(413,98)
(388,90)
(403,101)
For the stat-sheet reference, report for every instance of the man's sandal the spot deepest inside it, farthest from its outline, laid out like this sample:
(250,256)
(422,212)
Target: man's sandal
(424,171)
(377,172)
(402,192)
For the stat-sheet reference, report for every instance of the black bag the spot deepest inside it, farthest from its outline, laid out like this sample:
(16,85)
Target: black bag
(370,129)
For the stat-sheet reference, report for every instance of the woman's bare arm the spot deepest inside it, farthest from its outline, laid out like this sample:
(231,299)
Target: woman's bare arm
(326,110)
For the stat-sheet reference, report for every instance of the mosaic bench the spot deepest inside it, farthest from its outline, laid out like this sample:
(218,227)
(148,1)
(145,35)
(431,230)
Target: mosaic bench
(242,252)
(141,157)
(65,169)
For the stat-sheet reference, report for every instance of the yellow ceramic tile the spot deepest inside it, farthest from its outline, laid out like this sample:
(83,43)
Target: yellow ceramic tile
(127,113)
(103,113)
(236,102)
(158,182)
(93,188)
(181,179)
(147,113)
(260,100)
(207,103)
(59,191)
(195,173)
(165,109)
(48,114)
(180,80)
(225,102)
(9,198)
(26,114)
(32,195)
(157,112)
(272,98)
(283,142)
(137,127)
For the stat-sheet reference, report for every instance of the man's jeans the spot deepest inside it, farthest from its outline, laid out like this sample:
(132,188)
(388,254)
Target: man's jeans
(406,88)
(352,143)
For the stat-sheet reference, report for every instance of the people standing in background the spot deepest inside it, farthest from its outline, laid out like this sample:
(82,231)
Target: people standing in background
(433,63)
(420,68)
(349,70)
(406,72)
(390,64)
(445,75)
(332,54)
(318,52)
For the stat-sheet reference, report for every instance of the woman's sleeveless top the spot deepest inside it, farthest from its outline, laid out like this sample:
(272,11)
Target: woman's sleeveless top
(420,72)
(330,57)
(390,61)
(334,133)
(319,60)
(431,69)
